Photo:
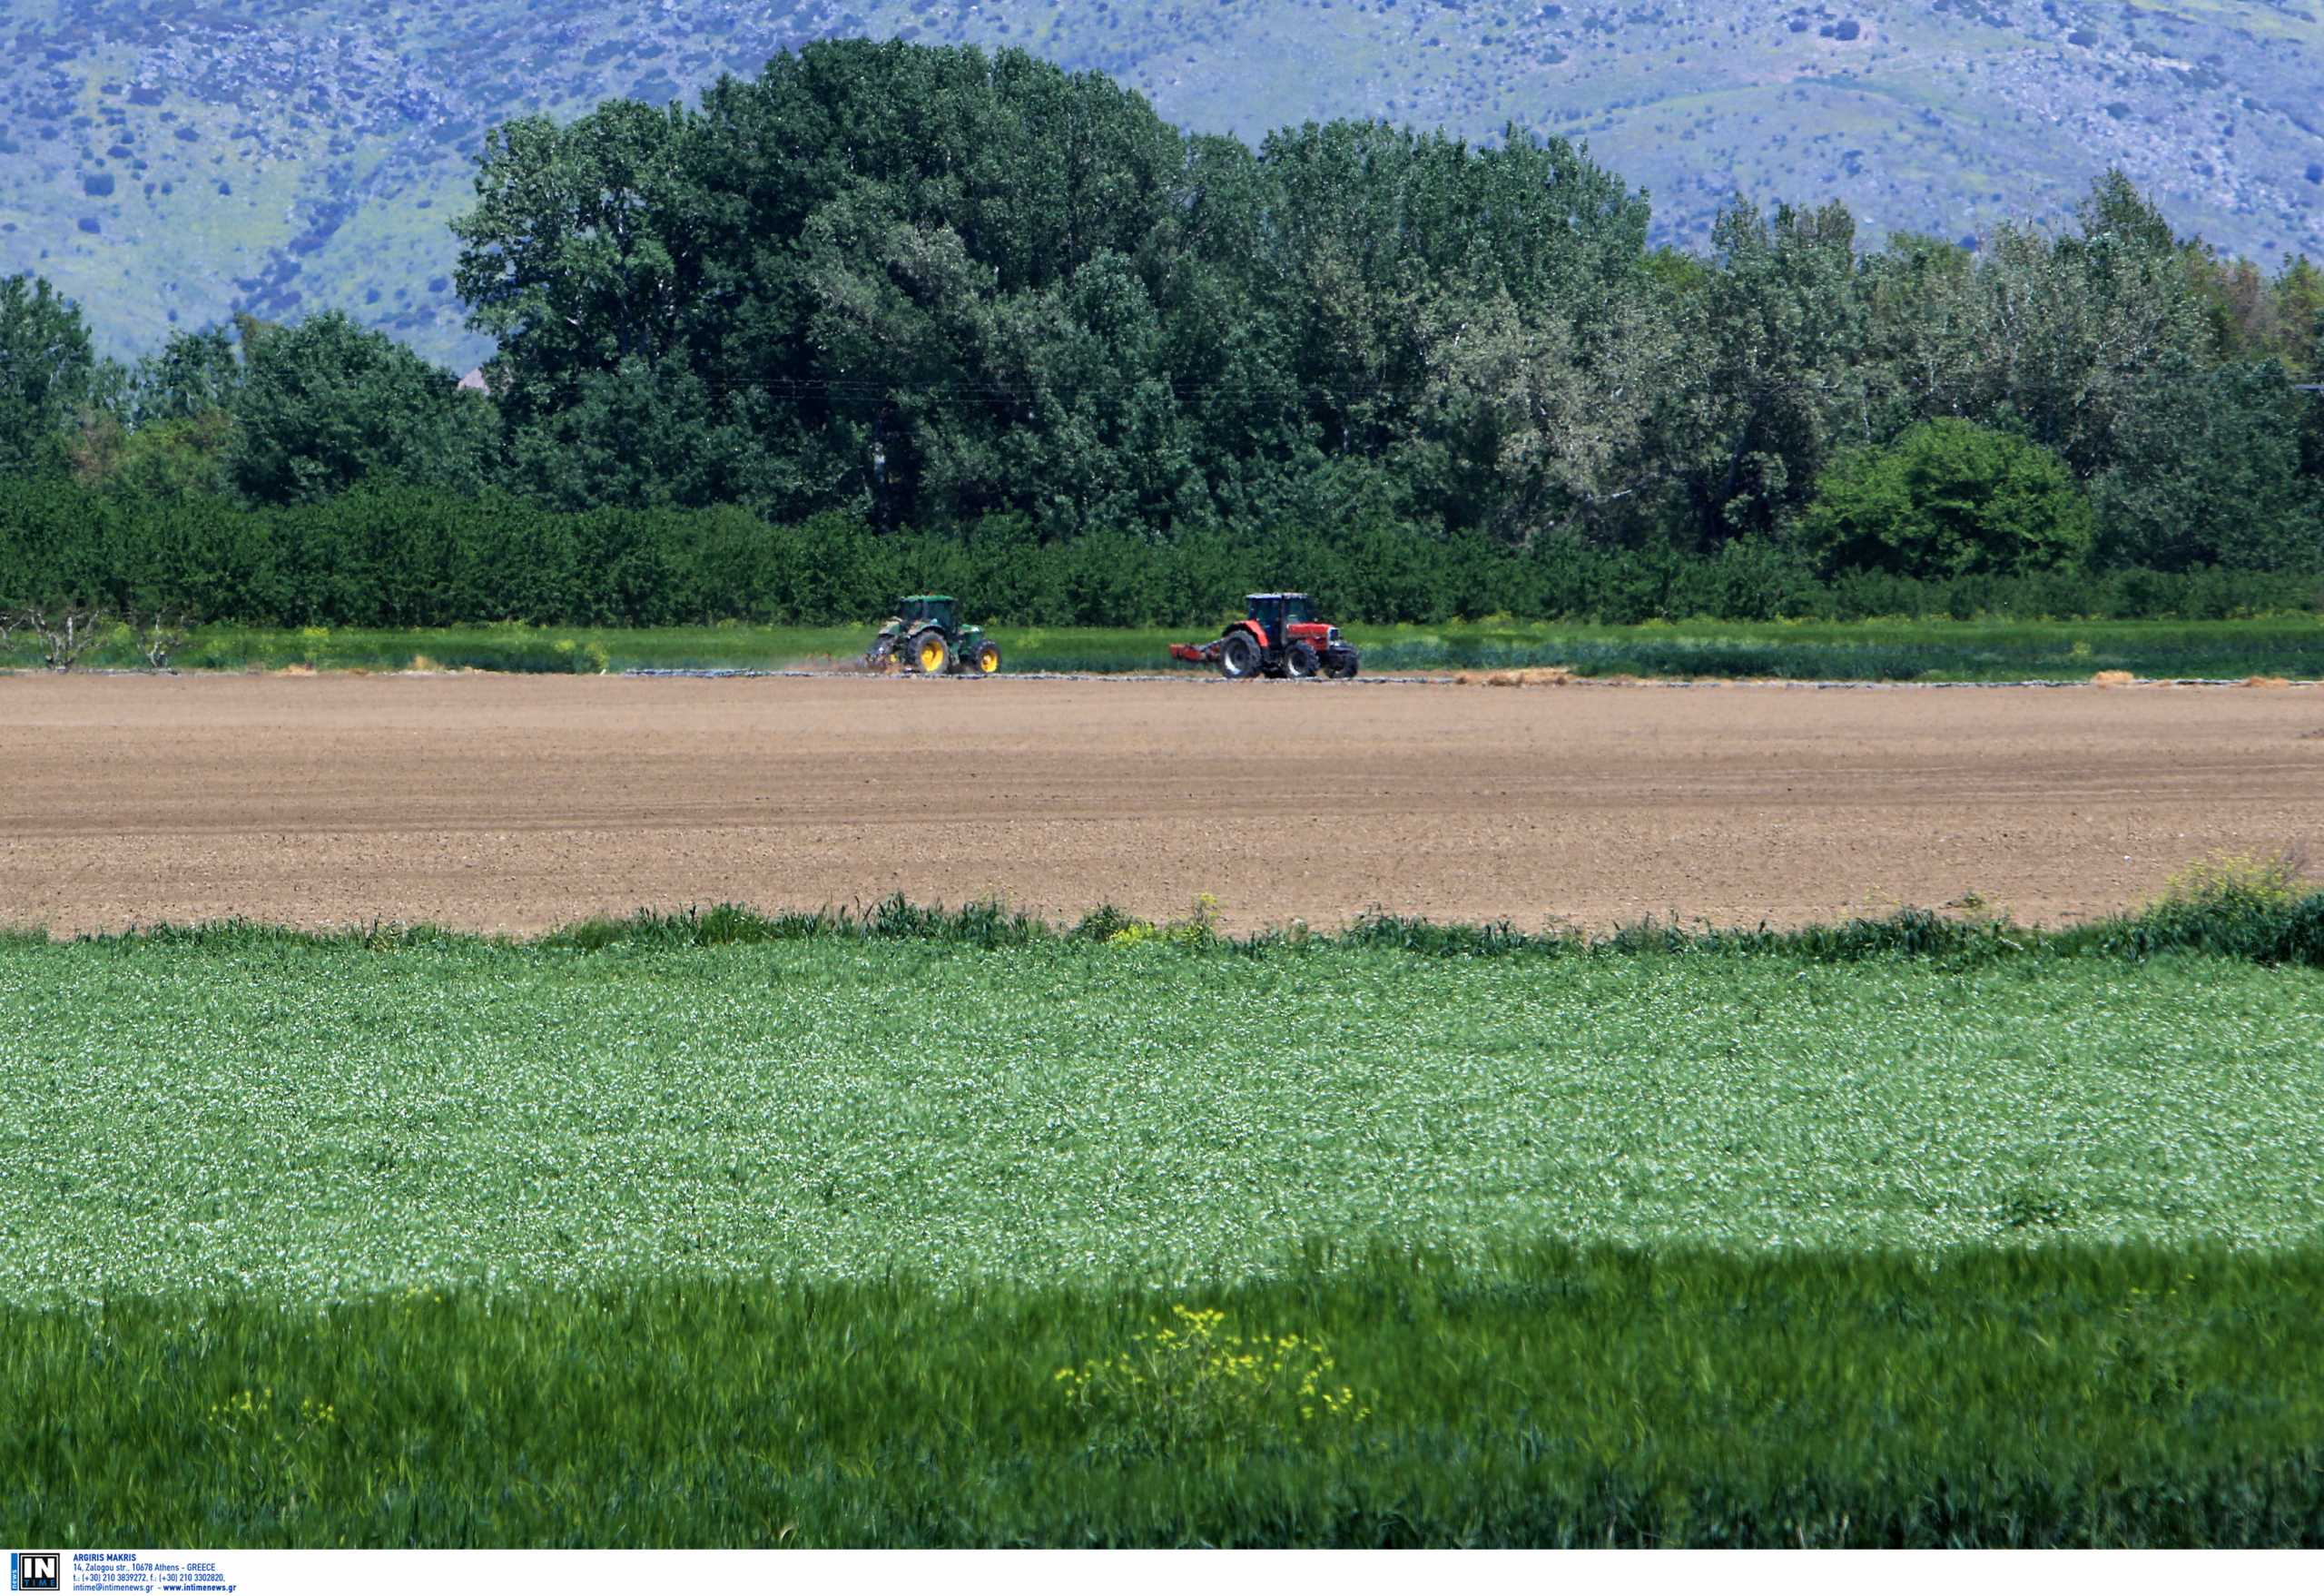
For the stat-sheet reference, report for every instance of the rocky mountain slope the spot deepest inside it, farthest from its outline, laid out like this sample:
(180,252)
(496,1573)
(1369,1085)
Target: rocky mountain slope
(167,161)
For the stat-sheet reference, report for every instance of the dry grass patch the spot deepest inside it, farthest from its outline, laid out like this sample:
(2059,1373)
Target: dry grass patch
(1530,677)
(2112,679)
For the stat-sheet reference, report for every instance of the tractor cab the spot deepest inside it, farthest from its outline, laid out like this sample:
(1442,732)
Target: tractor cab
(926,609)
(1276,612)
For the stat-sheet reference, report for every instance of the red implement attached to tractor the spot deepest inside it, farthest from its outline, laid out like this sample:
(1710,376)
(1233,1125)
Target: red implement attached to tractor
(1280,636)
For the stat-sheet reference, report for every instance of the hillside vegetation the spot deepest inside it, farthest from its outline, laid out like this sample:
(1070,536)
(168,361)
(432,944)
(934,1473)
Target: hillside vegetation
(167,161)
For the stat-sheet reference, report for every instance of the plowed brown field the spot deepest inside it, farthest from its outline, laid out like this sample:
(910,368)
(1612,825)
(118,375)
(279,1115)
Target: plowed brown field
(515,803)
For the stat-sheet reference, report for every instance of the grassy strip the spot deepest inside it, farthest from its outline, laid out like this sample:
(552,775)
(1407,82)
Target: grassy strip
(2266,924)
(2058,1396)
(1903,654)
(1876,650)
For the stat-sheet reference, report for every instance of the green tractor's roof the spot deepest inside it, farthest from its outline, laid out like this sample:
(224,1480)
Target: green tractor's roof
(926,598)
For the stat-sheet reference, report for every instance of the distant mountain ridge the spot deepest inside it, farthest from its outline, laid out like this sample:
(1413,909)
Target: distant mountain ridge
(170,162)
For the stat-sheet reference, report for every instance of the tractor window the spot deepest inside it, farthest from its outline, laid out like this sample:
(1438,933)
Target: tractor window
(1297,611)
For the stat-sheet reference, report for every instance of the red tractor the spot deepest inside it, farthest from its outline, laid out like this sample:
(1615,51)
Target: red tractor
(1280,638)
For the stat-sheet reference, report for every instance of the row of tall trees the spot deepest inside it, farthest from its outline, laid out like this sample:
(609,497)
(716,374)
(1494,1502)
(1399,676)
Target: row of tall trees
(930,287)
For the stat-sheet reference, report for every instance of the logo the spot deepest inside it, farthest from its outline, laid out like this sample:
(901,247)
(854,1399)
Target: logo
(35,1570)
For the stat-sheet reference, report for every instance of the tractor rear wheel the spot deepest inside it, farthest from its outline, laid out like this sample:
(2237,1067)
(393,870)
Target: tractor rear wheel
(932,654)
(1301,661)
(1238,655)
(987,659)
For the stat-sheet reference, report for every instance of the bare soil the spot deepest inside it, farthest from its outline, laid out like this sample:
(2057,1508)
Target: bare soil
(516,804)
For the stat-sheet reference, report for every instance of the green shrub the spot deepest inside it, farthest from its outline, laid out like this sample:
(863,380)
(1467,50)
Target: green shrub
(1948,499)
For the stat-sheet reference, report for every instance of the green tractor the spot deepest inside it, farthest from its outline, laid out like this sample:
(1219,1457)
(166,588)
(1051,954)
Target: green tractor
(925,636)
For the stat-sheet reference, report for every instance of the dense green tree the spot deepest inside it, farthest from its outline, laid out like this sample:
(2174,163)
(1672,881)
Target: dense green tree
(163,425)
(48,370)
(1446,310)
(1928,339)
(325,404)
(1535,423)
(193,375)
(2074,330)
(2207,470)
(879,196)
(160,458)
(1774,341)
(1948,499)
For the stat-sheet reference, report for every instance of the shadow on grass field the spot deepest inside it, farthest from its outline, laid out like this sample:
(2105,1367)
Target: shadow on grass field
(1554,1396)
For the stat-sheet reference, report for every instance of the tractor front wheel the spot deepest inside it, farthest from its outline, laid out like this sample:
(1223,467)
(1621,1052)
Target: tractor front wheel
(1341,662)
(932,654)
(987,659)
(1301,661)
(1238,655)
